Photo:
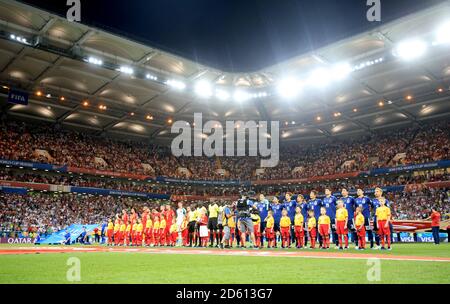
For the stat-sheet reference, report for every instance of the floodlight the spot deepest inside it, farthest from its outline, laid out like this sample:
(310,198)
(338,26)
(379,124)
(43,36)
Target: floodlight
(410,49)
(95,61)
(203,89)
(151,77)
(262,94)
(176,84)
(289,87)
(443,34)
(341,71)
(241,96)
(126,70)
(222,95)
(319,78)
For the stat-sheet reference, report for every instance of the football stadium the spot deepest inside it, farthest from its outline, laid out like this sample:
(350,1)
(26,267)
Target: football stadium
(122,162)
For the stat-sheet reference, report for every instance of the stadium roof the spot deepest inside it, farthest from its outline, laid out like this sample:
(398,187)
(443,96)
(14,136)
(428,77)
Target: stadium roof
(139,88)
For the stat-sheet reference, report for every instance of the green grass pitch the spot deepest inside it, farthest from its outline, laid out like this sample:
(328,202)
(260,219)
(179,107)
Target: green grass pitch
(128,267)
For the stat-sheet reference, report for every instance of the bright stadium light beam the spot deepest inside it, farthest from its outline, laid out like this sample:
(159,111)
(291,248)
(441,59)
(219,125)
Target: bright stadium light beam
(411,49)
(151,77)
(95,61)
(443,34)
(203,89)
(341,71)
(176,84)
(126,70)
(241,96)
(18,38)
(289,87)
(319,78)
(222,95)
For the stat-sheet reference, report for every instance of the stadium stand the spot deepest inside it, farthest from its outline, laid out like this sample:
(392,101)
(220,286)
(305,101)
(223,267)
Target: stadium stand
(96,128)
(429,142)
(47,212)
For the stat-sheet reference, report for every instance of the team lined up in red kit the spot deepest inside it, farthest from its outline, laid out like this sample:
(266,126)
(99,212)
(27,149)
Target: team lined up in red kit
(152,228)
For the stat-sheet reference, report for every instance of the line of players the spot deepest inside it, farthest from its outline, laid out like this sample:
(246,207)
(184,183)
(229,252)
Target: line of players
(152,228)
(321,219)
(165,227)
(292,221)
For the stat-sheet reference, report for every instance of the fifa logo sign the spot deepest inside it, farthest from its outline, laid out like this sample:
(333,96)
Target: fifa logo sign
(240,138)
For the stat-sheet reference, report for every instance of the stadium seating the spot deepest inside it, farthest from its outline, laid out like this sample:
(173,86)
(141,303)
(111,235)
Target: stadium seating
(48,212)
(430,142)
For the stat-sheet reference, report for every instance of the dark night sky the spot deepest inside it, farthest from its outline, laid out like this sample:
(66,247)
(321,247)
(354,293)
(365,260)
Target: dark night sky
(235,35)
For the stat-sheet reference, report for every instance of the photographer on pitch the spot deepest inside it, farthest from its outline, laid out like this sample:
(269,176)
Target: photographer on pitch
(244,208)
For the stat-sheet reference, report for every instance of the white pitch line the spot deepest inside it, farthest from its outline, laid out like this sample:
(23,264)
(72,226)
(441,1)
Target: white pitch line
(293,255)
(231,253)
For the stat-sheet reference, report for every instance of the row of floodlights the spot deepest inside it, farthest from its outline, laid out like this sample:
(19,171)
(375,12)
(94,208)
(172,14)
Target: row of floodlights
(290,86)
(18,39)
(408,50)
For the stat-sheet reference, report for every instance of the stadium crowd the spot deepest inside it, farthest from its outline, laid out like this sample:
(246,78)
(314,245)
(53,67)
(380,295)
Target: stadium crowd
(429,142)
(7,174)
(418,204)
(48,212)
(414,181)
(420,145)
(52,212)
(45,212)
